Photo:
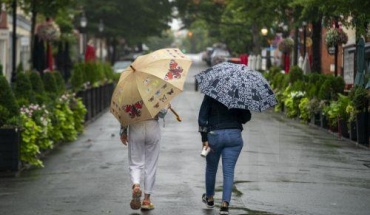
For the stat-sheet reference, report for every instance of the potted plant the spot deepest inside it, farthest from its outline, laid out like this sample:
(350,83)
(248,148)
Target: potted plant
(334,37)
(338,115)
(10,133)
(315,111)
(286,45)
(359,113)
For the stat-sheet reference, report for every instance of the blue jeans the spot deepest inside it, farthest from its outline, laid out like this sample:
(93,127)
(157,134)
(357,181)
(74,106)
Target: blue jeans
(227,144)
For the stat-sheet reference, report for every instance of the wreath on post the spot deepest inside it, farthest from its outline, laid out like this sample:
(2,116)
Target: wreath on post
(335,36)
(286,45)
(48,31)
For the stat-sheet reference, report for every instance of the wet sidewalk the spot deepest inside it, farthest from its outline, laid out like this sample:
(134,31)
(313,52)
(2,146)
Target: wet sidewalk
(285,168)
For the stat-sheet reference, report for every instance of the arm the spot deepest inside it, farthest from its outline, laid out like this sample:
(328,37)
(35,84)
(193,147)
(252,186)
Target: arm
(123,134)
(203,118)
(162,113)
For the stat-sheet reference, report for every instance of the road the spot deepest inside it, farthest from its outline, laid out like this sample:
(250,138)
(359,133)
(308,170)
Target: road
(285,168)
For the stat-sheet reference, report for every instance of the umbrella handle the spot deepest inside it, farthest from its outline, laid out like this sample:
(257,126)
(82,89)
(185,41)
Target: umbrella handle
(177,115)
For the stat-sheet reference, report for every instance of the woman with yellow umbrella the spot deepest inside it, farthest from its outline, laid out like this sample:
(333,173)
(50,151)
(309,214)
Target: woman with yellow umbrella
(141,97)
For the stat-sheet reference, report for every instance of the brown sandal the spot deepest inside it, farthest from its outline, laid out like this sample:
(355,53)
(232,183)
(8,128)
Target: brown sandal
(147,205)
(136,195)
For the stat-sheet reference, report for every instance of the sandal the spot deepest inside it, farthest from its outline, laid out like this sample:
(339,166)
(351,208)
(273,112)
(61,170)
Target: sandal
(147,205)
(136,195)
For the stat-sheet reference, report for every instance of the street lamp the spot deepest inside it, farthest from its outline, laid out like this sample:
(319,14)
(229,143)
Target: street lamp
(83,24)
(264,32)
(304,23)
(101,29)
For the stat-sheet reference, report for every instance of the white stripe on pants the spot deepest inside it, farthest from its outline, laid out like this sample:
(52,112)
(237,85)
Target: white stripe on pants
(143,152)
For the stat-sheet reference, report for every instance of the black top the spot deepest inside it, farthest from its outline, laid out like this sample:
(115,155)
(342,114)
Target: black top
(213,115)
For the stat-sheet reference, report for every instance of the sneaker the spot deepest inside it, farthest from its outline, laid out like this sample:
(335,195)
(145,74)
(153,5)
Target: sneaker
(136,195)
(224,210)
(209,204)
(147,205)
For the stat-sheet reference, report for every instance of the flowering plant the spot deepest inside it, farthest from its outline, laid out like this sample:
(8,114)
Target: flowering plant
(335,36)
(35,136)
(286,45)
(49,31)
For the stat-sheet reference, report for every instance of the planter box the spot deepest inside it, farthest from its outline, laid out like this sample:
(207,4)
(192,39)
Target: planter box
(10,140)
(324,121)
(362,130)
(315,119)
(353,131)
(343,128)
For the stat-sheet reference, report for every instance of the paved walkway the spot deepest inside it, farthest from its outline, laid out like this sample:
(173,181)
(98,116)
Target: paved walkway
(285,168)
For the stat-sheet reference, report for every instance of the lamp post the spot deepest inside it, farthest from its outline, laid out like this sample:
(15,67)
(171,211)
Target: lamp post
(14,41)
(83,24)
(101,29)
(304,23)
(264,32)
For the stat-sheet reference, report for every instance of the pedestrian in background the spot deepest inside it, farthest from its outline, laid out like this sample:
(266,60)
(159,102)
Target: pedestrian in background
(220,129)
(143,140)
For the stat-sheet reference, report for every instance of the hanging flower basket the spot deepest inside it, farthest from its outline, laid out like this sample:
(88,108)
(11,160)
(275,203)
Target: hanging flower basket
(286,45)
(335,36)
(49,31)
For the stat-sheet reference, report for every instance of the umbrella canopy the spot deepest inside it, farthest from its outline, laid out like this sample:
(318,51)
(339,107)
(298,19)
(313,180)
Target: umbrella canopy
(360,74)
(237,86)
(149,84)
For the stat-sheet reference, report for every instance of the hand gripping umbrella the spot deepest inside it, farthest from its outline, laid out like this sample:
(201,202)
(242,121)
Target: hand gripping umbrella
(149,84)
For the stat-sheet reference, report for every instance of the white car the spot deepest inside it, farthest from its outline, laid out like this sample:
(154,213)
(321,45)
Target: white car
(219,55)
(120,66)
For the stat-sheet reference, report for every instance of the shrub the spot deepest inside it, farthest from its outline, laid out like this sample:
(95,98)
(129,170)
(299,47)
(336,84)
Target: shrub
(37,87)
(60,84)
(295,74)
(77,78)
(50,85)
(23,89)
(9,107)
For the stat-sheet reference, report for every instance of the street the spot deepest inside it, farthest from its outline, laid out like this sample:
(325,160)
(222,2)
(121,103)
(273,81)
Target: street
(285,168)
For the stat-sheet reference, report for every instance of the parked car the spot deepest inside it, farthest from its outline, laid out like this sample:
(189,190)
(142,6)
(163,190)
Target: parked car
(120,66)
(219,55)
(207,55)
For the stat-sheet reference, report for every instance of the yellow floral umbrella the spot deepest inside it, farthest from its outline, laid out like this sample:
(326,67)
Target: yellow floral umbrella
(149,84)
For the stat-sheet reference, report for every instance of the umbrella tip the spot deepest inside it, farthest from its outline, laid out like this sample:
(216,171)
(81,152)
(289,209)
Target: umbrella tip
(132,68)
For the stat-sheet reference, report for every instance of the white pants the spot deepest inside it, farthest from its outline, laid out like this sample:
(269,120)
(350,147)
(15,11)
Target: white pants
(143,152)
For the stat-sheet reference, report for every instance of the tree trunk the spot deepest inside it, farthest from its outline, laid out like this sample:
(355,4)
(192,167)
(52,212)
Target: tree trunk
(316,46)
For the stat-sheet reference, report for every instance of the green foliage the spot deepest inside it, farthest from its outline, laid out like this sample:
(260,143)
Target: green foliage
(79,111)
(299,85)
(29,149)
(292,102)
(339,107)
(304,109)
(20,68)
(274,70)
(60,84)
(330,88)
(50,85)
(63,121)
(108,72)
(37,87)
(295,74)
(78,76)
(9,107)
(360,98)
(23,89)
